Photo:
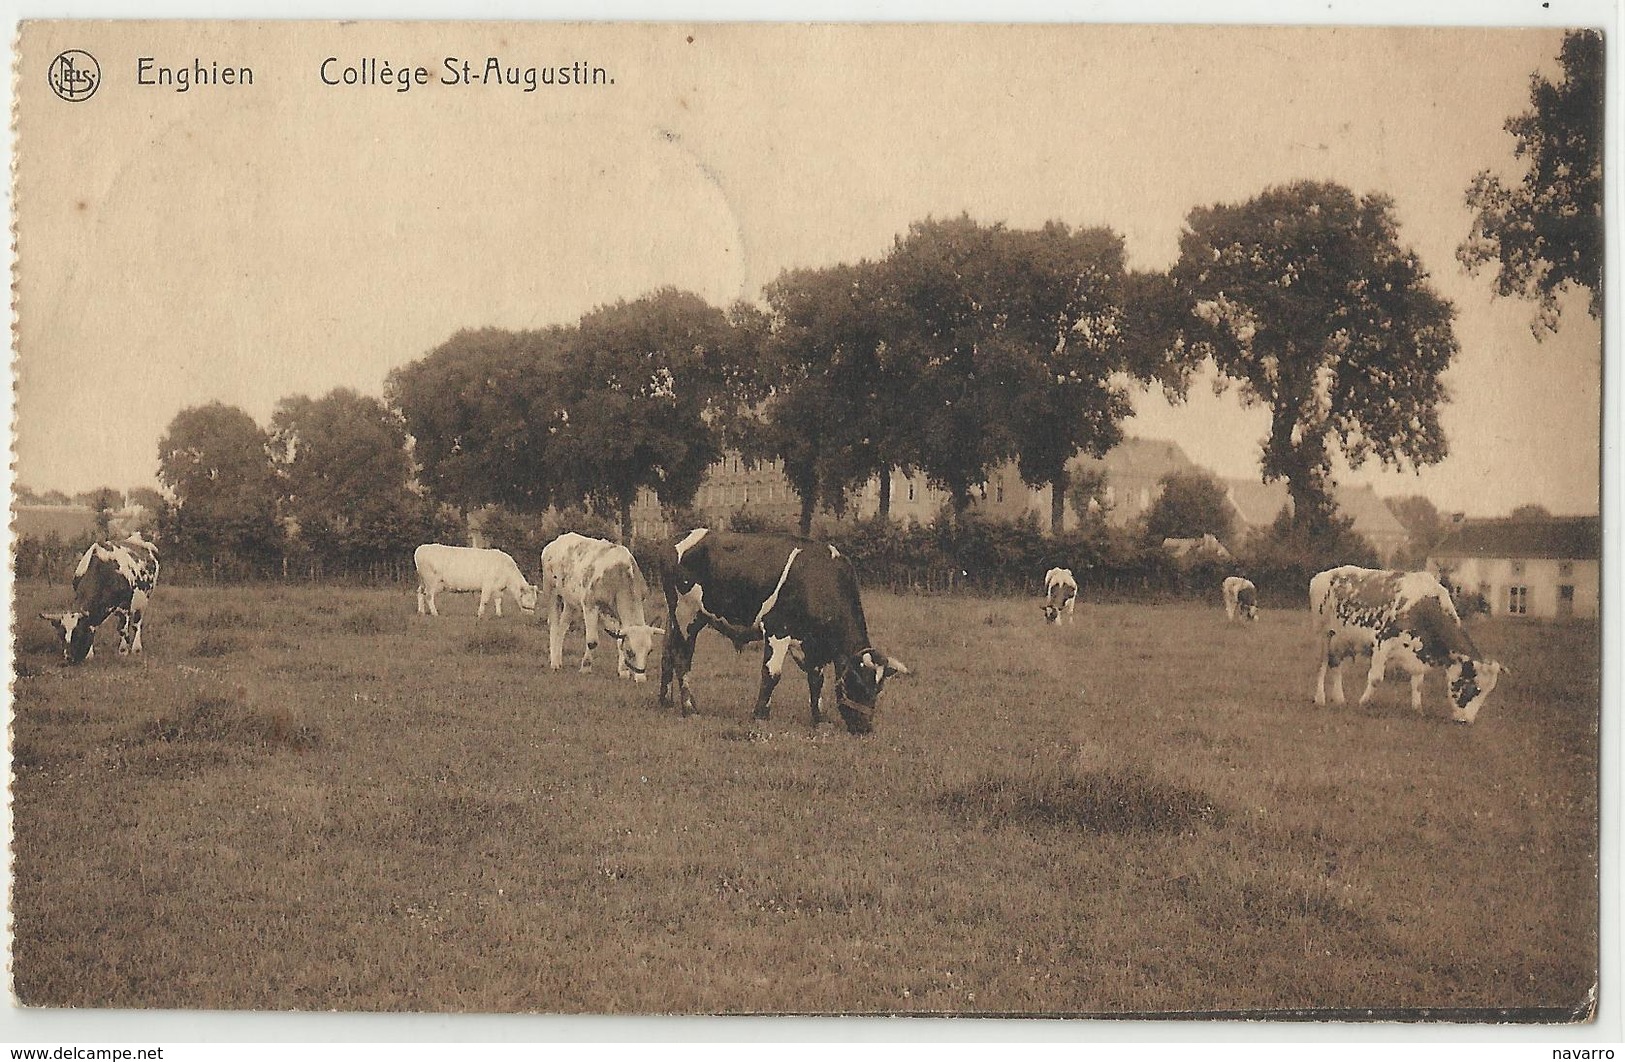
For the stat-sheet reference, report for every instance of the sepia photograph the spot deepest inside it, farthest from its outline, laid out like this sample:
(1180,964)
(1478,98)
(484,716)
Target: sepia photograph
(1050,520)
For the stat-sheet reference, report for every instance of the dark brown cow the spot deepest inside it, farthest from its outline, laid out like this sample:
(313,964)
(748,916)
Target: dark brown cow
(798,596)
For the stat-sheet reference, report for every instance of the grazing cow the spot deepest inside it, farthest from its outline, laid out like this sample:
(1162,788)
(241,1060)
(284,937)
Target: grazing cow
(1060,594)
(1405,618)
(1240,598)
(602,580)
(798,596)
(112,579)
(463,569)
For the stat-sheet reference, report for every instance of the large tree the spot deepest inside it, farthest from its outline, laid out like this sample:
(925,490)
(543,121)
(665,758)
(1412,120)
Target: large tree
(1546,233)
(346,475)
(1305,297)
(484,410)
(833,406)
(1192,504)
(1063,316)
(215,461)
(648,387)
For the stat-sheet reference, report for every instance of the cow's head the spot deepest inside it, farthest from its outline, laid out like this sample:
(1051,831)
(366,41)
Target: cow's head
(77,633)
(528,595)
(636,642)
(857,687)
(1051,613)
(1470,683)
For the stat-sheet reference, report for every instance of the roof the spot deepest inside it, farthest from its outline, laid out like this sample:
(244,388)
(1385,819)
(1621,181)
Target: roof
(1206,546)
(1151,458)
(68,521)
(1371,514)
(1258,504)
(1549,538)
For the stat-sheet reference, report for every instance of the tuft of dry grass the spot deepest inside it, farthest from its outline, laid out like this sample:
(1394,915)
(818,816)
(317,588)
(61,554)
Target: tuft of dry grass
(1127,801)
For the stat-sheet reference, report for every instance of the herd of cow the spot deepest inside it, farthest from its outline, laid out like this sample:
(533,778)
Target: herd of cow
(800,599)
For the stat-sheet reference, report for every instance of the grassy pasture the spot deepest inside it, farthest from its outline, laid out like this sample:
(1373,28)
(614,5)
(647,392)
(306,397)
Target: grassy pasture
(313,798)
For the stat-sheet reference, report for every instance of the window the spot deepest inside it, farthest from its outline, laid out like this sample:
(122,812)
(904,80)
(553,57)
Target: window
(1517,600)
(1517,567)
(911,490)
(1000,490)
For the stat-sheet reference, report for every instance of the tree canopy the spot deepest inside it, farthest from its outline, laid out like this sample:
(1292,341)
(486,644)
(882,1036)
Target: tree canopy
(216,463)
(1192,504)
(1545,233)
(1305,297)
(645,391)
(346,475)
(483,410)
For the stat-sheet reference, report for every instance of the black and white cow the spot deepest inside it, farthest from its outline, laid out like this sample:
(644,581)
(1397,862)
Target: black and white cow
(1060,594)
(1403,618)
(798,596)
(1240,598)
(112,579)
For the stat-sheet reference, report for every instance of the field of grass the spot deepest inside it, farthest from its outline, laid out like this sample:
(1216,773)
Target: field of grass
(309,799)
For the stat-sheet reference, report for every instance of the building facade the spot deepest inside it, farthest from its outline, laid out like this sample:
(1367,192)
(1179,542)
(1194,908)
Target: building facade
(1133,472)
(1536,568)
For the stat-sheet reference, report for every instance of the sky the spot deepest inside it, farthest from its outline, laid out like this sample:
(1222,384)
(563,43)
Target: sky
(245,244)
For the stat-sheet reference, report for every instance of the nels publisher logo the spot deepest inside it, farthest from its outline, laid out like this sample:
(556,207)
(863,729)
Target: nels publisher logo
(75,75)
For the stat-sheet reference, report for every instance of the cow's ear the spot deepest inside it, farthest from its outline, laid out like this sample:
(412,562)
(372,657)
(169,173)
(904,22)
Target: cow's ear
(895,666)
(616,633)
(658,630)
(55,620)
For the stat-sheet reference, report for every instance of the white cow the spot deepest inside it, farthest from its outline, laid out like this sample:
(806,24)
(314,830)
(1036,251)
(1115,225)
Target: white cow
(1403,618)
(1060,594)
(603,581)
(464,569)
(1240,598)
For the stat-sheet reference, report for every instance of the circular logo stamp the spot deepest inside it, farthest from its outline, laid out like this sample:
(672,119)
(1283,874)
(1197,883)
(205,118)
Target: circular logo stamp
(75,75)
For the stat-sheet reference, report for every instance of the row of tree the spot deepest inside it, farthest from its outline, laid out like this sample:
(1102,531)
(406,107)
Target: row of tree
(967,345)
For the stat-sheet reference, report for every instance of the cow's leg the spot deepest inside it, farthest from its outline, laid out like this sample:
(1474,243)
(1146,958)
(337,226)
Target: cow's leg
(138,608)
(815,692)
(1326,663)
(558,625)
(121,618)
(496,599)
(675,662)
(589,616)
(1379,668)
(434,594)
(774,653)
(1416,689)
(1071,606)
(421,603)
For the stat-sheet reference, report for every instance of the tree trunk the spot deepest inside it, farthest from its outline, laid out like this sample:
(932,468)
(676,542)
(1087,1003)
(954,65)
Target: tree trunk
(883,510)
(1057,502)
(807,506)
(626,521)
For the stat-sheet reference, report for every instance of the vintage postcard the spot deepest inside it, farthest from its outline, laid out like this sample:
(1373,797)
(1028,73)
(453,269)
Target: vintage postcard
(1066,520)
